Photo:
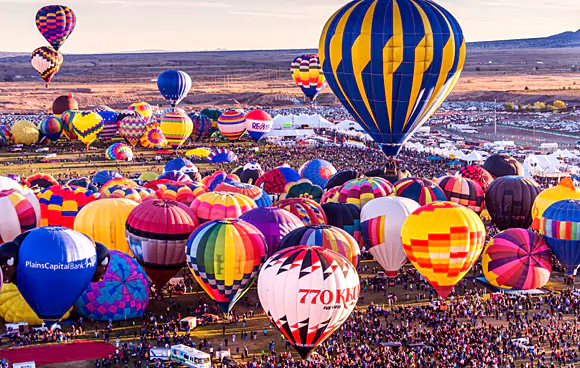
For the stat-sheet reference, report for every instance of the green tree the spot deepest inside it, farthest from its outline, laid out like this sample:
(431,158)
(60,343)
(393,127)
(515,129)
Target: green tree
(559,104)
(539,106)
(509,106)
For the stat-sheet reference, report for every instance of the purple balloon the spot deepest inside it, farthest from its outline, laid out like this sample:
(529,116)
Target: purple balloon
(274,223)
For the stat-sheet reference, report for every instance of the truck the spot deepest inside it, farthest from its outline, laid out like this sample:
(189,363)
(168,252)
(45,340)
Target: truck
(186,322)
(189,356)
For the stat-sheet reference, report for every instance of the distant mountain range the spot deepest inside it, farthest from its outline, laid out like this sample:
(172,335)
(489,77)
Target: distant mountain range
(561,40)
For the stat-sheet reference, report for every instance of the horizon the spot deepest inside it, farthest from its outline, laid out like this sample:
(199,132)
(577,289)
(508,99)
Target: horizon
(279,27)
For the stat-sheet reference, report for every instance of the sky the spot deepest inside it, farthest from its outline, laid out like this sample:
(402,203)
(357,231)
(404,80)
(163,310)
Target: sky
(105,26)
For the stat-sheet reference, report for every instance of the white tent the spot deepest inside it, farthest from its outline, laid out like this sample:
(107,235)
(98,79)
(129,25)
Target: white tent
(349,125)
(289,133)
(473,156)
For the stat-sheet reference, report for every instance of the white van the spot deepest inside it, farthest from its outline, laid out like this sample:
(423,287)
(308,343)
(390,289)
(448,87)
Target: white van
(188,321)
(159,353)
(189,357)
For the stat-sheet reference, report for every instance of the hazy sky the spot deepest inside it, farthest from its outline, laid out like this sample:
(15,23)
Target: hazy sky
(129,25)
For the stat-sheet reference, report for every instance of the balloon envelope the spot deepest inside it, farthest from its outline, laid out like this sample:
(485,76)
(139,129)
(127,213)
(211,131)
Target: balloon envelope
(174,85)
(56,23)
(509,200)
(559,224)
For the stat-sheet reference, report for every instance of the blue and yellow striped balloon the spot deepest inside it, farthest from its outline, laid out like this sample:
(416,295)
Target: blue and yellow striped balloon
(392,63)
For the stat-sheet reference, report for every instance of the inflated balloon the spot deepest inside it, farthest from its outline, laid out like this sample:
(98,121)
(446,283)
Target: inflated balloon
(422,191)
(509,200)
(119,152)
(123,294)
(232,124)
(308,211)
(102,108)
(225,257)
(463,191)
(6,182)
(110,125)
(251,172)
(148,176)
(220,205)
(143,108)
(559,224)
(174,85)
(104,176)
(221,155)
(331,196)
(47,62)
(303,188)
(317,171)
(87,126)
(181,192)
(67,118)
(361,191)
(345,216)
(153,138)
(135,194)
(564,190)
(255,193)
(198,153)
(178,176)
(258,123)
(381,221)
(20,213)
(64,103)
(308,293)
(51,127)
(40,181)
(24,132)
(274,223)
(14,309)
(132,128)
(341,177)
(325,236)
(56,23)
(517,259)
(60,204)
(217,178)
(51,267)
(443,240)
(307,74)
(104,221)
(392,64)
(176,164)
(176,127)
(157,232)
(213,115)
(201,127)
(500,164)
(478,174)
(118,181)
(275,180)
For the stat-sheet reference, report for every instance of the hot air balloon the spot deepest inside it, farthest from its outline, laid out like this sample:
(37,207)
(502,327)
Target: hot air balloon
(143,108)
(274,223)
(221,155)
(157,232)
(51,267)
(463,191)
(24,132)
(14,309)
(67,118)
(308,293)
(307,74)
(176,164)
(345,216)
(87,126)
(251,172)
(153,138)
(102,177)
(478,174)
(308,211)
(258,123)
(331,196)
(422,191)
(232,124)
(251,191)
(51,128)
(122,294)
(500,164)
(303,188)
(6,182)
(56,23)
(324,236)
(213,115)
(64,103)
(47,62)
(564,190)
(178,176)
(181,192)
(509,200)
(559,224)
(517,259)
(443,240)
(341,177)
(198,153)
(110,125)
(317,171)
(392,64)
(135,194)
(40,181)
(174,85)
(361,191)
(60,204)
(201,127)
(20,213)
(225,257)
(119,152)
(104,221)
(176,127)
(381,221)
(219,177)
(275,180)
(132,128)
(220,205)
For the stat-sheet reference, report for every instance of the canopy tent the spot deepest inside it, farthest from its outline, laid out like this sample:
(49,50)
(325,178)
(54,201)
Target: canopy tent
(473,156)
(347,125)
(282,122)
(289,133)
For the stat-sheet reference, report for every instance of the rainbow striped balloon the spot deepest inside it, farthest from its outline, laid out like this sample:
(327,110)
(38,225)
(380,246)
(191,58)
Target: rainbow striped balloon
(422,191)
(232,124)
(560,225)
(361,191)
(136,194)
(307,210)
(220,205)
(142,108)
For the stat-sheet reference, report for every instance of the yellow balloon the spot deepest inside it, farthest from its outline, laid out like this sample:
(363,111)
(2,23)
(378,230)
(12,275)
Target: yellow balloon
(87,125)
(176,127)
(198,152)
(24,132)
(13,307)
(564,190)
(104,221)
(148,176)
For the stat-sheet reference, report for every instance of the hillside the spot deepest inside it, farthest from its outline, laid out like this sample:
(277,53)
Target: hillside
(561,40)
